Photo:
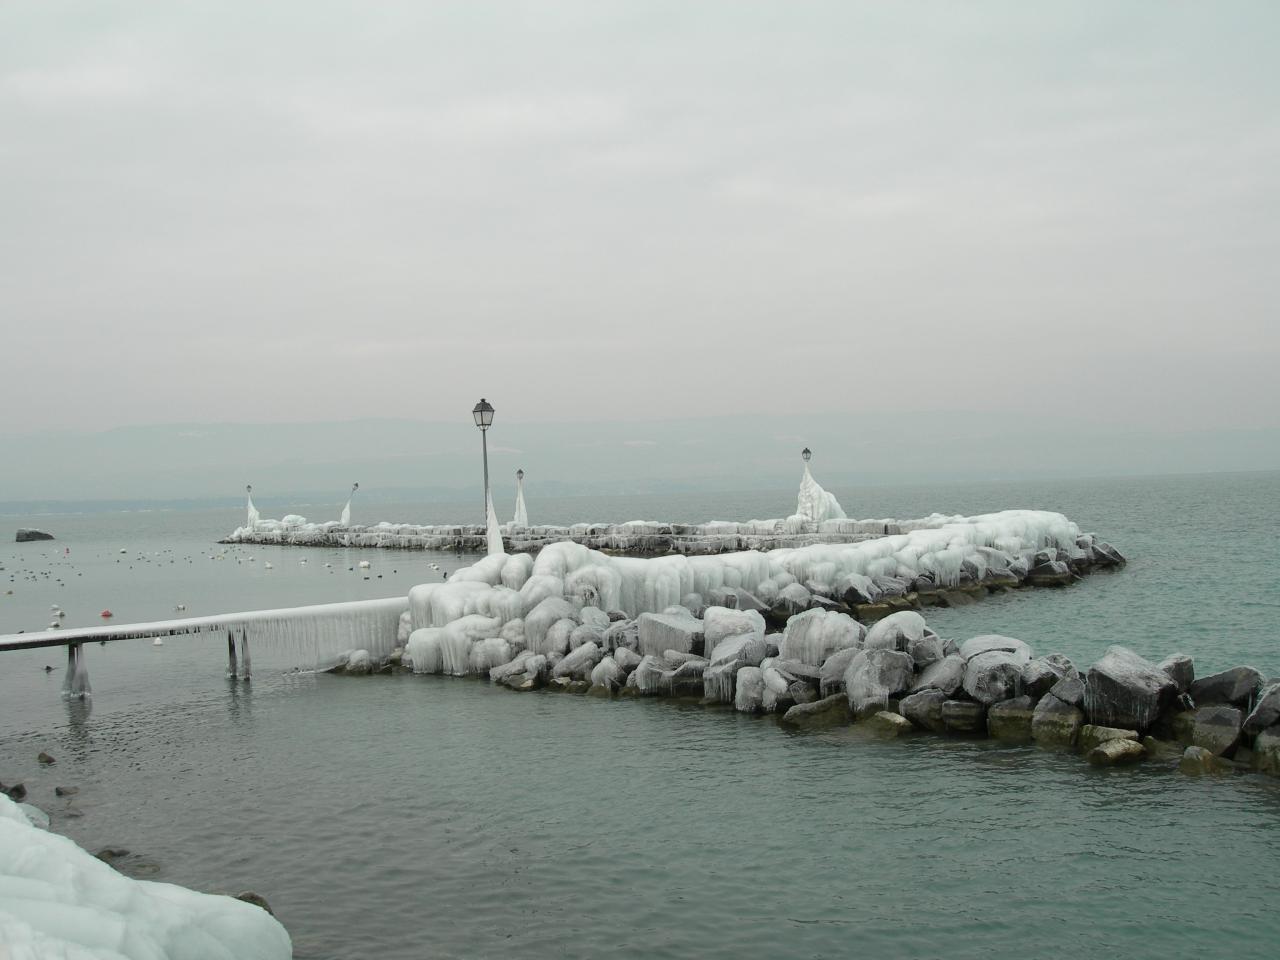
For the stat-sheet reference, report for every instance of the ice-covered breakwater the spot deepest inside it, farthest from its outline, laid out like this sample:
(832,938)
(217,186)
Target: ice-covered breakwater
(577,619)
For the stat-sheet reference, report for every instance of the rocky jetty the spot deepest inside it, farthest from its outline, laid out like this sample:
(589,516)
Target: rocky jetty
(26,535)
(894,678)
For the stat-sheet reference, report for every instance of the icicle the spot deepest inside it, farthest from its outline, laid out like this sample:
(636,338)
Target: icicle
(494,533)
(521,518)
(346,511)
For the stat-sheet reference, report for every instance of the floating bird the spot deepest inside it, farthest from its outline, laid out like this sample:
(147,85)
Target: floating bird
(364,564)
(106,614)
(267,565)
(181,606)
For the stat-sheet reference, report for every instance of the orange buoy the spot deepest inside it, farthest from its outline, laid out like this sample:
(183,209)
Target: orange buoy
(106,614)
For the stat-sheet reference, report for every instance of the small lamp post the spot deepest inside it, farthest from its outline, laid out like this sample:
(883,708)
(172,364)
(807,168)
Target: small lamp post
(806,454)
(482,412)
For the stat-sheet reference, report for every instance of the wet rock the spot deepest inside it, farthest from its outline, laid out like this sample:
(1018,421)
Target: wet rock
(1127,691)
(954,598)
(888,724)
(828,711)
(1237,686)
(1055,723)
(258,901)
(1112,753)
(1038,678)
(1161,749)
(924,709)
(1266,751)
(992,676)
(875,676)
(27,535)
(1092,735)
(1267,711)
(927,650)
(16,793)
(1217,729)
(801,692)
(946,675)
(1199,762)
(1010,720)
(44,758)
(964,716)
(65,791)
(1180,668)
(111,854)
(1055,573)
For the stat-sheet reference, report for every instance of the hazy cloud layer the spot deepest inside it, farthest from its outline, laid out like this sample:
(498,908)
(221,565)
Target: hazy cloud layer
(311,211)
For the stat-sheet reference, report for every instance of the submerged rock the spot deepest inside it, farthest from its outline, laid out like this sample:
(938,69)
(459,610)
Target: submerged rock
(1197,762)
(825,712)
(888,724)
(1114,752)
(964,716)
(1010,720)
(1092,735)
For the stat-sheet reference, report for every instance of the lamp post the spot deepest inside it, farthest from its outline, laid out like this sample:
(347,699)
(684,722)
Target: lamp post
(806,454)
(482,412)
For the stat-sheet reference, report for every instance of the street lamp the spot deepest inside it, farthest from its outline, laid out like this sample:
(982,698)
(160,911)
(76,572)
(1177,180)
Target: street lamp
(806,454)
(482,412)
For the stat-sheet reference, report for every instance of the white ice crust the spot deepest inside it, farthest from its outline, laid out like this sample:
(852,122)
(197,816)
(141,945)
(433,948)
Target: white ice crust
(57,901)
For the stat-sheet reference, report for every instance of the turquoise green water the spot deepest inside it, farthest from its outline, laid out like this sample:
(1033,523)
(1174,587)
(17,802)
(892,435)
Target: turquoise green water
(423,816)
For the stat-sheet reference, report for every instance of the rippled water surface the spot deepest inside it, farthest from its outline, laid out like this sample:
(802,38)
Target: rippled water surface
(420,816)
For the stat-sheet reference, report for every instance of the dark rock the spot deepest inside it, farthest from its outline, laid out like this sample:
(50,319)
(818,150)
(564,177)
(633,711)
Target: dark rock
(1181,668)
(1217,729)
(1039,677)
(1161,748)
(924,709)
(258,901)
(1198,762)
(1055,573)
(1267,711)
(65,791)
(1111,753)
(27,535)
(1010,720)
(44,758)
(1237,686)
(1127,691)
(801,692)
(16,793)
(1055,723)
(953,598)
(964,716)
(825,712)
(1105,555)
(109,854)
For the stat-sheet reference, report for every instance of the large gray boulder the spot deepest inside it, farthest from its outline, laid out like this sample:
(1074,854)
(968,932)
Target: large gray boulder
(1181,668)
(1092,735)
(1267,711)
(1010,720)
(1069,689)
(660,632)
(924,709)
(874,677)
(1217,729)
(1055,724)
(946,675)
(993,676)
(927,650)
(1266,751)
(888,724)
(1237,686)
(1126,690)
(1039,677)
(821,713)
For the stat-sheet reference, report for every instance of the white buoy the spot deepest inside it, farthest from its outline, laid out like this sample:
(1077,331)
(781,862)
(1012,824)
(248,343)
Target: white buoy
(267,565)
(157,642)
(364,564)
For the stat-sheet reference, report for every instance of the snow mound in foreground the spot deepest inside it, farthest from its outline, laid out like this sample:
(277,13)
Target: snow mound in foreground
(58,901)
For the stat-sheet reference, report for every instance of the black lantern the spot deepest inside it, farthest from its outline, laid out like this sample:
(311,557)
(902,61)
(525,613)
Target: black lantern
(483,414)
(806,454)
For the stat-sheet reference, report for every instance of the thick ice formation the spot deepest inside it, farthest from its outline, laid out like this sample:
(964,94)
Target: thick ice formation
(521,518)
(493,533)
(252,517)
(346,511)
(813,504)
(58,901)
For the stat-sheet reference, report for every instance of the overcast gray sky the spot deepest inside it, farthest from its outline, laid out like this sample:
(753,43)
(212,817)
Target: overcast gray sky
(316,211)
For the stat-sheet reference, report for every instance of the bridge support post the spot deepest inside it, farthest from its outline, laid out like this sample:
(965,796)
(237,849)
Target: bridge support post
(75,684)
(231,655)
(69,677)
(244,651)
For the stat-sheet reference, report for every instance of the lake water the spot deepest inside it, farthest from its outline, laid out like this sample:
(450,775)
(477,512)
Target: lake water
(421,816)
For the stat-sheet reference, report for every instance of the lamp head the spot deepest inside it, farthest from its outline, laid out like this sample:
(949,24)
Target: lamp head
(806,454)
(482,412)
(519,474)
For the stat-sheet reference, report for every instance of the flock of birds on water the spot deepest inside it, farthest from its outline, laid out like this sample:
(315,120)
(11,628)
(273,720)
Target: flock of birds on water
(58,615)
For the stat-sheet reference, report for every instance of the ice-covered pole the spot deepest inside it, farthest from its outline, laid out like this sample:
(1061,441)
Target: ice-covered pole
(251,520)
(482,413)
(493,533)
(521,518)
(346,511)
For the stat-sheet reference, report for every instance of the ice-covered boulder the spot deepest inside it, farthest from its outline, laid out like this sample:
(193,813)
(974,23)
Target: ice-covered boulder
(791,600)
(813,636)
(873,677)
(831,673)
(648,677)
(729,656)
(607,675)
(1040,675)
(668,631)
(776,685)
(622,633)
(594,617)
(512,668)
(626,658)
(749,693)
(541,618)
(993,676)
(992,642)
(720,623)
(1126,690)
(487,654)
(557,639)
(895,632)
(423,650)
(927,650)
(59,901)
(579,663)
(945,675)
